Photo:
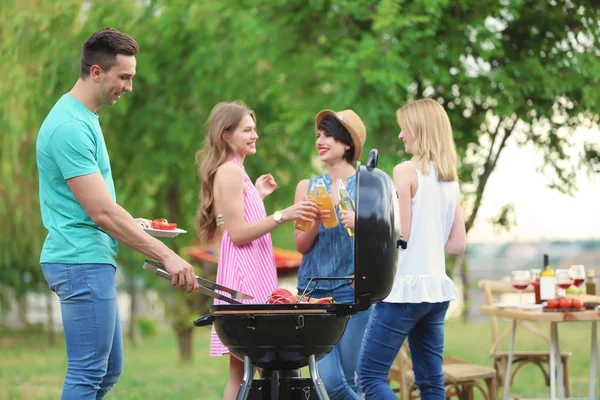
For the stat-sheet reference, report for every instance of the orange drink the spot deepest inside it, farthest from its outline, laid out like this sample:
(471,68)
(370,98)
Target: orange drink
(302,225)
(305,225)
(326,203)
(319,194)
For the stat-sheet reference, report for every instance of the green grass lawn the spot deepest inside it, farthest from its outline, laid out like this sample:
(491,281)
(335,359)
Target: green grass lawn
(30,369)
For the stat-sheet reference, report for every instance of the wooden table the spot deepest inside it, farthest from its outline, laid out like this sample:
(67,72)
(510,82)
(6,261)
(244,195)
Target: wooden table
(538,315)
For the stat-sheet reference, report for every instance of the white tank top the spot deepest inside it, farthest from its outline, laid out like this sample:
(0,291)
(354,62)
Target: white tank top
(421,272)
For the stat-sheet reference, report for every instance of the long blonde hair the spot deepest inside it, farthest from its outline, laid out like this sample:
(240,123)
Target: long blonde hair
(427,123)
(224,118)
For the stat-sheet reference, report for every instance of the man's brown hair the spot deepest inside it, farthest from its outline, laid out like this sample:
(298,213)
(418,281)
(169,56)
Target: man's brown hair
(102,49)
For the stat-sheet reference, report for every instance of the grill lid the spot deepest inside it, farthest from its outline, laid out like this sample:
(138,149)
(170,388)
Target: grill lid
(377,232)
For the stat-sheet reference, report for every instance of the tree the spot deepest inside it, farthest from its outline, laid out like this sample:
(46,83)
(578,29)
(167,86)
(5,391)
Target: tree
(31,77)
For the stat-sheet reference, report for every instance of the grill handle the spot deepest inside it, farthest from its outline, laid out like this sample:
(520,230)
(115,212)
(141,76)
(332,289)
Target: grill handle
(205,320)
(373,159)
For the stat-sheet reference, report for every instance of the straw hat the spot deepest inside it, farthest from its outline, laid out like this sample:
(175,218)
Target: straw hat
(354,125)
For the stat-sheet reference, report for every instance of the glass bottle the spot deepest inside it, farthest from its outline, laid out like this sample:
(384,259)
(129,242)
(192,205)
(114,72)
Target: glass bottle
(311,195)
(535,281)
(326,203)
(547,281)
(590,283)
(346,202)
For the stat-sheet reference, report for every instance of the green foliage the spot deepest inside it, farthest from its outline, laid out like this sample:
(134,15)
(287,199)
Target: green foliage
(32,61)
(147,327)
(506,219)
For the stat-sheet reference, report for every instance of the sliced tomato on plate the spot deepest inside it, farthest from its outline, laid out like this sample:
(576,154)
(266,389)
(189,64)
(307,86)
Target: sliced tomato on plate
(163,224)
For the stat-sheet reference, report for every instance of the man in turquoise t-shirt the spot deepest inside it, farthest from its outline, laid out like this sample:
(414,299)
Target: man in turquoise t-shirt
(84,222)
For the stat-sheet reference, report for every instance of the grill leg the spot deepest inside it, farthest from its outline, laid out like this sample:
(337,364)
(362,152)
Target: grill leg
(314,374)
(246,380)
(275,385)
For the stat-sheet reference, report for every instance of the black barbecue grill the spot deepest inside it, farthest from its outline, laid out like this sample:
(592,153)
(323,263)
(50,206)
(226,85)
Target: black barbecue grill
(282,338)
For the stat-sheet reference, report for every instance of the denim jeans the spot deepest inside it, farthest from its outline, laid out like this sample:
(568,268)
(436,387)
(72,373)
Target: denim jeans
(338,368)
(389,325)
(90,316)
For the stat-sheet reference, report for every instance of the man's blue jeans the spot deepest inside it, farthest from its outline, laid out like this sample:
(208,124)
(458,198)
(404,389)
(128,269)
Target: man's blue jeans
(338,368)
(90,316)
(389,325)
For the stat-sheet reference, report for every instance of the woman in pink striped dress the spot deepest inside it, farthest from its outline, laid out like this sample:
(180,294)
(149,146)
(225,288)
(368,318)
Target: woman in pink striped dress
(230,201)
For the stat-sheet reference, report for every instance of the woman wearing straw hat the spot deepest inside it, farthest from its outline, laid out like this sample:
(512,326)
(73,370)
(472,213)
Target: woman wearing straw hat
(329,252)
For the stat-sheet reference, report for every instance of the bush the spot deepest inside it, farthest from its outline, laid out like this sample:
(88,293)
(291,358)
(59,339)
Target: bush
(147,327)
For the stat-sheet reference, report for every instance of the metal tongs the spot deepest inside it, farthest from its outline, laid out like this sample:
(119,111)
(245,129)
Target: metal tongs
(206,287)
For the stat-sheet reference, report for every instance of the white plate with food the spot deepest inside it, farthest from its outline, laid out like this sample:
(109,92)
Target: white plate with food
(164,233)
(159,228)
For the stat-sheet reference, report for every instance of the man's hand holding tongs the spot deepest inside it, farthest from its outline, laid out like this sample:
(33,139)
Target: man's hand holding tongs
(182,273)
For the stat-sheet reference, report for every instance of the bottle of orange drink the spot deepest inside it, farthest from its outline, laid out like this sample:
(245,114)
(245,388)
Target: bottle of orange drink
(319,194)
(312,195)
(326,203)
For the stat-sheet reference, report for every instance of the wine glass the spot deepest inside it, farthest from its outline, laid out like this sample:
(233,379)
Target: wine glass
(520,279)
(578,272)
(564,280)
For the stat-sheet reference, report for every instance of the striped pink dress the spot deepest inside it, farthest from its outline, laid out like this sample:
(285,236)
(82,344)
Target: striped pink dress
(249,268)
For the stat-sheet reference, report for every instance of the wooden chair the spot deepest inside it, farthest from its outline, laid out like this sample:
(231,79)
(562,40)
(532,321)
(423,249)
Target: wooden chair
(461,378)
(492,288)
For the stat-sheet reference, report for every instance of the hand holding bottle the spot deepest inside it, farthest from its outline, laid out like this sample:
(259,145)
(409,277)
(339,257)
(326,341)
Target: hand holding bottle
(322,216)
(347,209)
(303,211)
(305,225)
(347,218)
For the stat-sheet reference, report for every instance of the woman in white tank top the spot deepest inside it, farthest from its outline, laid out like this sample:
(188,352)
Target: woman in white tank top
(433,225)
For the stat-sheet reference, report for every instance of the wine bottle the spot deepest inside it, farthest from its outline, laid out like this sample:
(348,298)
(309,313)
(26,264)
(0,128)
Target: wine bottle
(547,281)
